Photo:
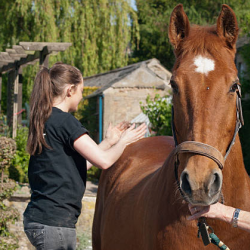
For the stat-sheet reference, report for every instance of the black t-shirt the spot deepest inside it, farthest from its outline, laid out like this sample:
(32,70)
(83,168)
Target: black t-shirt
(57,176)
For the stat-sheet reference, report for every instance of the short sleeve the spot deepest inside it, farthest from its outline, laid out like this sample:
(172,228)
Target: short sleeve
(72,129)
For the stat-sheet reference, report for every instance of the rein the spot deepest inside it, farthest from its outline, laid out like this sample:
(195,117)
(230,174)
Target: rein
(212,153)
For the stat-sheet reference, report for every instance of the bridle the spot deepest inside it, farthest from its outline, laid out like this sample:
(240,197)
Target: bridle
(210,152)
(205,149)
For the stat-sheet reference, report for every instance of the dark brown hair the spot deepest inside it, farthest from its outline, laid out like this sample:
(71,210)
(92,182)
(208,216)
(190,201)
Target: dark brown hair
(49,83)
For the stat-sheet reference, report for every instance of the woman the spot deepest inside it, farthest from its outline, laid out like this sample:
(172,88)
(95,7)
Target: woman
(61,152)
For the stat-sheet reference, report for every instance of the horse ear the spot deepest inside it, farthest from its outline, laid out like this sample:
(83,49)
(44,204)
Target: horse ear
(227,26)
(179,26)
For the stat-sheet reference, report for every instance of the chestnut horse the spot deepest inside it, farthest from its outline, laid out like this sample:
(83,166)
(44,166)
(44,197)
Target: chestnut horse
(141,201)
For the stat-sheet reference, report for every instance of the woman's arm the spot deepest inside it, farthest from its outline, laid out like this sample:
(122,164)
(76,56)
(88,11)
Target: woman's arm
(102,158)
(112,136)
(221,212)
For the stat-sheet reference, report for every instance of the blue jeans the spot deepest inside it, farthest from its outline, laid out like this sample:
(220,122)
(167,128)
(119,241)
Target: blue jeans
(45,237)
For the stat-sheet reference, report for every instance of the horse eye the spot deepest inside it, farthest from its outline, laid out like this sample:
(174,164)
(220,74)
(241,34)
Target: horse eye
(174,86)
(234,87)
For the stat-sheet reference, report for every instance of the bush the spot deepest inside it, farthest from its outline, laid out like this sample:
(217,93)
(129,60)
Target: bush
(158,110)
(7,214)
(4,129)
(19,167)
(94,174)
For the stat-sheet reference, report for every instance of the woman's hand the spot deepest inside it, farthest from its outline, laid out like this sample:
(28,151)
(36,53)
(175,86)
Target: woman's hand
(133,134)
(215,211)
(113,134)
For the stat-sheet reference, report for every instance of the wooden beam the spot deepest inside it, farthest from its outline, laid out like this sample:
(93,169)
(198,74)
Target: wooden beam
(20,54)
(19,49)
(21,62)
(39,46)
(5,57)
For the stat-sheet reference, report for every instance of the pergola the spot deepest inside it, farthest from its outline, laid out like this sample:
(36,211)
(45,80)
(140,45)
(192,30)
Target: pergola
(12,61)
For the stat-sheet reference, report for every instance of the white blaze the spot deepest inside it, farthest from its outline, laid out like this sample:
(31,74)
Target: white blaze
(203,65)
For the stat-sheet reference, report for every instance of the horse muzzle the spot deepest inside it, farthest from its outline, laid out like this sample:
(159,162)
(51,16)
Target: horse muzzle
(201,180)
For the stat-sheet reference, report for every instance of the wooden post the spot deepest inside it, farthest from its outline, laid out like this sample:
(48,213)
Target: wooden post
(44,57)
(0,91)
(15,104)
(12,92)
(20,95)
(10,98)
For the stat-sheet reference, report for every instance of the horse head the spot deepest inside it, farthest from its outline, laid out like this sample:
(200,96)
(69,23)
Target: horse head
(205,92)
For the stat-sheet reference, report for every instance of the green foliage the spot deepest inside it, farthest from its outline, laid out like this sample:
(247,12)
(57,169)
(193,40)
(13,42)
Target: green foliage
(94,174)
(86,114)
(7,239)
(245,134)
(158,111)
(7,151)
(245,77)
(4,129)
(245,130)
(154,16)
(83,241)
(7,214)
(99,30)
(19,167)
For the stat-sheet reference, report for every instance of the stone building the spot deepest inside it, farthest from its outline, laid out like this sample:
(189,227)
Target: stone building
(121,91)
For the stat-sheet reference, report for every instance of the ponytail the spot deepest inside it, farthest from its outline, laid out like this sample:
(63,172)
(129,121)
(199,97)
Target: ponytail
(49,83)
(41,103)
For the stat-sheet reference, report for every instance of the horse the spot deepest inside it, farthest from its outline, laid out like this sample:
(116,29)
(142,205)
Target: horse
(142,200)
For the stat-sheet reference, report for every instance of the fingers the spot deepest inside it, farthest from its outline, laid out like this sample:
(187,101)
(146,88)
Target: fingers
(122,125)
(143,126)
(196,216)
(197,211)
(131,127)
(110,126)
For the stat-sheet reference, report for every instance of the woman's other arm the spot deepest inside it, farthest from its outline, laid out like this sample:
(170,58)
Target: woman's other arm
(221,212)
(102,158)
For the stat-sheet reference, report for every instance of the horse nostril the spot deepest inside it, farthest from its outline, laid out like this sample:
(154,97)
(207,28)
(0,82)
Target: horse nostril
(185,185)
(215,184)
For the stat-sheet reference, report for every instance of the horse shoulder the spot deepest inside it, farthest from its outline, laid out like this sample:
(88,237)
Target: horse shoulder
(138,160)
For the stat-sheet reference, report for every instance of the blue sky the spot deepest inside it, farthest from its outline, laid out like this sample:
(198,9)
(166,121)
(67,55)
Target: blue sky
(133,4)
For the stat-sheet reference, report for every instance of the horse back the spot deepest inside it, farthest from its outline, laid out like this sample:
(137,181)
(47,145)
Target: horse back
(133,170)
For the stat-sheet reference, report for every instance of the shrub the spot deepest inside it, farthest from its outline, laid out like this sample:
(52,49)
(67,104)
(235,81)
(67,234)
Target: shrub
(158,110)
(4,129)
(7,214)
(19,167)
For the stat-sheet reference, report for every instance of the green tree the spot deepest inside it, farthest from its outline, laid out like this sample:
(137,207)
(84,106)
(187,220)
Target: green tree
(99,30)
(245,130)
(154,15)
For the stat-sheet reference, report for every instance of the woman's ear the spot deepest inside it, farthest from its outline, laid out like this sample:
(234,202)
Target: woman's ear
(70,90)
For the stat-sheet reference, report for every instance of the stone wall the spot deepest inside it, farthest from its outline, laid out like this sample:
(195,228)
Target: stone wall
(20,199)
(124,103)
